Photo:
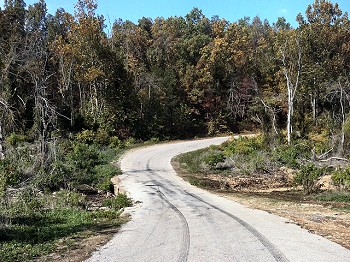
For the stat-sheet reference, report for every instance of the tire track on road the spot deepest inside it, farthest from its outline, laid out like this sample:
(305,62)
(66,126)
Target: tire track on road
(275,252)
(185,245)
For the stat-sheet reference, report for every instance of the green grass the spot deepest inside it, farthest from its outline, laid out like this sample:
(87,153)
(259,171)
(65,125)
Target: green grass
(202,160)
(119,202)
(33,225)
(192,161)
(250,156)
(30,237)
(245,156)
(343,197)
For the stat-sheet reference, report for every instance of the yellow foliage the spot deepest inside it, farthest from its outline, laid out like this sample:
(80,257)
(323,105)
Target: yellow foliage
(92,74)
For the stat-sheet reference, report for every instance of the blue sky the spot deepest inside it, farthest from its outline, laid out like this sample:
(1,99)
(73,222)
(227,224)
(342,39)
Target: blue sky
(231,10)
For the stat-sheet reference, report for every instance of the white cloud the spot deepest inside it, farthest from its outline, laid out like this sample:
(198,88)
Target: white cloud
(284,11)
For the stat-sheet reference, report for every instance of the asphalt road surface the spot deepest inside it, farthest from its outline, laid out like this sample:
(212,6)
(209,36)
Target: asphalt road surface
(174,221)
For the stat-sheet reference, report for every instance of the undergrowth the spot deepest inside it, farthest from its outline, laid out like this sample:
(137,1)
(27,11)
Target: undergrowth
(334,197)
(52,221)
(255,156)
(46,207)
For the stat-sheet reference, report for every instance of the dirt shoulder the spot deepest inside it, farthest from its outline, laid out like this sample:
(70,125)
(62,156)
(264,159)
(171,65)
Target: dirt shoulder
(322,219)
(276,195)
(81,248)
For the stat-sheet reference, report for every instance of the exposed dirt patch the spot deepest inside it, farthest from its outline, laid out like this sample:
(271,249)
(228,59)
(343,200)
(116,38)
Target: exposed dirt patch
(275,194)
(330,220)
(81,248)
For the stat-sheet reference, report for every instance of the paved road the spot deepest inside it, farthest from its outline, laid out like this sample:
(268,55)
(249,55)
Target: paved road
(174,221)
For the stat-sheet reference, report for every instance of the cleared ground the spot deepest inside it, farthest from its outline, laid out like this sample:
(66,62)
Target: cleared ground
(328,219)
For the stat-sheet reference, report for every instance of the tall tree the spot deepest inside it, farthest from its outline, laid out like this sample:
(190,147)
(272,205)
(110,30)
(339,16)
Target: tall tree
(12,39)
(323,38)
(290,54)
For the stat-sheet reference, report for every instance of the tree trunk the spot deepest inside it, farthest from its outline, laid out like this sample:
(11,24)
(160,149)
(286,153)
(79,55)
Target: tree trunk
(342,139)
(2,155)
(289,117)
(313,104)
(291,72)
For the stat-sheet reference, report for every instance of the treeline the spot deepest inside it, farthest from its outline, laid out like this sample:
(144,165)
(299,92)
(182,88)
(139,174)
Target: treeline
(171,78)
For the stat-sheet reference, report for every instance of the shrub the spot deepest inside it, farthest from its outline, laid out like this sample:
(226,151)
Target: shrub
(308,177)
(115,142)
(118,202)
(102,137)
(320,141)
(80,163)
(15,139)
(103,175)
(106,185)
(26,203)
(244,145)
(261,162)
(249,155)
(341,178)
(107,154)
(213,158)
(75,166)
(84,157)
(66,199)
(334,197)
(90,137)
(258,162)
(9,175)
(86,136)
(130,141)
(3,186)
(290,155)
(192,161)
(60,176)
(287,155)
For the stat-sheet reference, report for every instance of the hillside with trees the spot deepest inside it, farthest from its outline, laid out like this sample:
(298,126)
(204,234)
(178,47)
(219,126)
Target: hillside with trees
(72,95)
(174,77)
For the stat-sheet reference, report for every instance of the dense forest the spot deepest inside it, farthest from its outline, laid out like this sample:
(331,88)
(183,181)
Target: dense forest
(174,77)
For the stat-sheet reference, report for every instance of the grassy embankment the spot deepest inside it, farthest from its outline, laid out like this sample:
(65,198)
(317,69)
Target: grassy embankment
(47,213)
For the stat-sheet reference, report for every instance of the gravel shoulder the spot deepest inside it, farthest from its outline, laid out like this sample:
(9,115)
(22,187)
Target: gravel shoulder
(322,219)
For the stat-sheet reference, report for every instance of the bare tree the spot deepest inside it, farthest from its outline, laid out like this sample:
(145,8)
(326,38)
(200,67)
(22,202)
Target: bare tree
(6,121)
(45,113)
(272,111)
(239,96)
(36,57)
(339,94)
(291,59)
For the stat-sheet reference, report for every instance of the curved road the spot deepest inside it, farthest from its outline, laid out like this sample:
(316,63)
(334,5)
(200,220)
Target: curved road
(174,221)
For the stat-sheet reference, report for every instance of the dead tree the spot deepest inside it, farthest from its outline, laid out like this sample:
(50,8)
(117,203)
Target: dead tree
(339,95)
(291,60)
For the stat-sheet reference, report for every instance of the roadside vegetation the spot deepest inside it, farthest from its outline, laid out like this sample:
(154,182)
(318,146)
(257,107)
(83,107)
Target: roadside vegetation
(251,163)
(51,208)
(305,182)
